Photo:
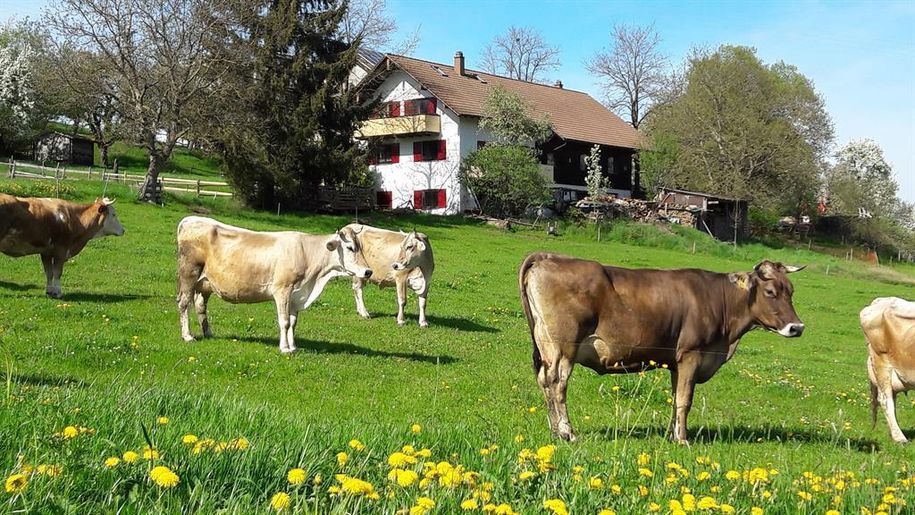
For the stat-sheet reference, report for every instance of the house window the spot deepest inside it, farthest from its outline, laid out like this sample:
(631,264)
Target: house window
(384,199)
(582,164)
(419,106)
(429,150)
(387,110)
(385,154)
(429,199)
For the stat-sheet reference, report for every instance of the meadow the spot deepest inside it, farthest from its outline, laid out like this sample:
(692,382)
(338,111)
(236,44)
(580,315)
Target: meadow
(106,410)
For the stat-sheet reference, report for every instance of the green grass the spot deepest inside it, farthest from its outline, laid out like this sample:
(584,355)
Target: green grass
(109,357)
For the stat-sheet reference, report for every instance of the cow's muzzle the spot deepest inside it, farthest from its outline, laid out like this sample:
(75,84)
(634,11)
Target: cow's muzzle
(366,273)
(398,266)
(791,330)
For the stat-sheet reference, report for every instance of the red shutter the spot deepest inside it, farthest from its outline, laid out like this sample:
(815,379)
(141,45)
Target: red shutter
(417,199)
(441,150)
(395,109)
(384,199)
(395,152)
(409,106)
(417,151)
(442,200)
(430,105)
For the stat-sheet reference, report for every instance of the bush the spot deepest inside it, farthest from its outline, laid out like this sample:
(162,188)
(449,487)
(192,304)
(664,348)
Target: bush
(504,178)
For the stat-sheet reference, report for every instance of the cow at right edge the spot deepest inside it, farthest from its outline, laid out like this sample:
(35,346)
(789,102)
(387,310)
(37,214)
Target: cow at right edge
(617,320)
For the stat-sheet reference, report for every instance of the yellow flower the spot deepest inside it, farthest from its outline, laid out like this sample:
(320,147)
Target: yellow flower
(296,476)
(416,429)
(616,489)
(654,507)
(189,439)
(833,512)
(702,476)
(162,420)
(425,502)
(112,462)
(356,445)
(645,472)
(805,495)
(356,486)
(50,470)
(643,491)
(756,510)
(606,512)
(707,503)
(279,501)
(424,453)
(70,432)
(469,505)
(163,476)
(596,482)
(527,474)
(519,438)
(727,508)
(732,475)
(130,457)
(239,444)
(150,453)
(532,409)
(342,458)
(16,483)
(400,460)
(643,459)
(403,478)
(545,453)
(689,502)
(556,506)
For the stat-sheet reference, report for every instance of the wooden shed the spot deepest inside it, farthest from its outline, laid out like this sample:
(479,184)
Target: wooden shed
(64,148)
(723,218)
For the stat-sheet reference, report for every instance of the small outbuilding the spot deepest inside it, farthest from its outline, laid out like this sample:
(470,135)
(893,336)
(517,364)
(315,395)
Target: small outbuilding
(723,218)
(64,148)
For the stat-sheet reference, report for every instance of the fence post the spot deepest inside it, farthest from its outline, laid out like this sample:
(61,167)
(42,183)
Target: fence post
(198,187)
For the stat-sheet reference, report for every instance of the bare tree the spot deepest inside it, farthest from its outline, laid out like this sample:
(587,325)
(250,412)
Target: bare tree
(632,71)
(521,53)
(367,22)
(154,51)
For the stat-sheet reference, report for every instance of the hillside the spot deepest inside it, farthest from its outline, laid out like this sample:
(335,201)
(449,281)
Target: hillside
(784,427)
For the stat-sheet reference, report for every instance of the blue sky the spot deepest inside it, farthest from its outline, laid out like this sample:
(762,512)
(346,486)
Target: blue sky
(860,55)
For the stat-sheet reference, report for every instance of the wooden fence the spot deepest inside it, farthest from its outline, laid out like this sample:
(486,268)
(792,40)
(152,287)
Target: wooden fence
(196,186)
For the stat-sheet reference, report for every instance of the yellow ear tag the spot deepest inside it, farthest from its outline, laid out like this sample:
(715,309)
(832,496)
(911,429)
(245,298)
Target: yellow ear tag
(743,282)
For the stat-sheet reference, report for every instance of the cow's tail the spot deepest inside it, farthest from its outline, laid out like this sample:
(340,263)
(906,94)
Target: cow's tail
(871,378)
(526,305)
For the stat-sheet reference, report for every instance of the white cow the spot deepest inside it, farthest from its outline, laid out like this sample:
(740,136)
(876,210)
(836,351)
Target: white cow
(242,266)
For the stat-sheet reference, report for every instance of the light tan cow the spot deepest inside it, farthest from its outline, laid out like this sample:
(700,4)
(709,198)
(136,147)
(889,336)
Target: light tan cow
(889,327)
(242,266)
(55,229)
(398,259)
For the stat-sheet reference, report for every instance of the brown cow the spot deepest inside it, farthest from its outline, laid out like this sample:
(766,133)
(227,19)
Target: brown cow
(55,229)
(617,320)
(889,327)
(398,260)
(242,266)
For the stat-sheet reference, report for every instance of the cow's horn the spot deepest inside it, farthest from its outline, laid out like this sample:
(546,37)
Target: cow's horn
(107,201)
(791,269)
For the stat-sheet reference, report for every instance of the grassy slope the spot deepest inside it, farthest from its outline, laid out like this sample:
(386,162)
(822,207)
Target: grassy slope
(114,343)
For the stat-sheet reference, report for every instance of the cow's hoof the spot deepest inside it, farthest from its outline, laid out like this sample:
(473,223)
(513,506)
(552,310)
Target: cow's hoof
(287,351)
(189,338)
(54,295)
(567,436)
(423,323)
(401,323)
(365,315)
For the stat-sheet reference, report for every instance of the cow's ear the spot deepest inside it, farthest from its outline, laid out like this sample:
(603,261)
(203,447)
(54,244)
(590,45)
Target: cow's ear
(103,208)
(420,245)
(333,244)
(741,280)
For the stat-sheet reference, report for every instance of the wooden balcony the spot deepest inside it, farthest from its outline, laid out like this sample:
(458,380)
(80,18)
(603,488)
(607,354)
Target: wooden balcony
(401,126)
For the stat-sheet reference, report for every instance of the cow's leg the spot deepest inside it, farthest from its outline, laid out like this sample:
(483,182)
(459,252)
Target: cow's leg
(47,262)
(401,286)
(563,372)
(283,321)
(686,384)
(421,300)
(53,269)
(290,336)
(187,287)
(201,298)
(882,376)
(671,428)
(360,303)
(546,386)
(888,401)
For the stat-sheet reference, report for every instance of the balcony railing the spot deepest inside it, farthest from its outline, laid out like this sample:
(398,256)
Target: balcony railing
(400,126)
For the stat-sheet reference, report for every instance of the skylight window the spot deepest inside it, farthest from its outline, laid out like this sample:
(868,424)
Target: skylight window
(439,70)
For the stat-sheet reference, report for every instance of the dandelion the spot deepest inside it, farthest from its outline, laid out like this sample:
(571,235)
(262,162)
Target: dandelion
(150,454)
(703,476)
(112,462)
(596,483)
(805,495)
(423,505)
(16,483)
(239,444)
(416,429)
(727,508)
(130,457)
(189,439)
(527,474)
(833,512)
(556,506)
(162,421)
(163,477)
(424,453)
(342,458)
(654,507)
(296,476)
(469,505)
(403,478)
(356,445)
(400,460)
(645,472)
(732,475)
(355,486)
(689,502)
(643,491)
(756,510)
(279,501)
(643,459)
(532,409)
(606,512)
(707,503)
(70,432)
(519,438)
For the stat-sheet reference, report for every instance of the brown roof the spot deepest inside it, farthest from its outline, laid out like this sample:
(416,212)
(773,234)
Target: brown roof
(574,115)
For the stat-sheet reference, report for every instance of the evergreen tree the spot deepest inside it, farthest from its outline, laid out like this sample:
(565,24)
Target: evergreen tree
(290,122)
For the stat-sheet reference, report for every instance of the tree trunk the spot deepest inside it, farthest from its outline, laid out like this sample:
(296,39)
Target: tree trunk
(149,191)
(103,150)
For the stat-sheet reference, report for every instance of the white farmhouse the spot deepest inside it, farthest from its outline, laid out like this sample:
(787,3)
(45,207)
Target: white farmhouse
(428,121)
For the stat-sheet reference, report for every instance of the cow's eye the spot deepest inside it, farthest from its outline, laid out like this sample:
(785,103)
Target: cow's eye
(410,247)
(351,248)
(770,293)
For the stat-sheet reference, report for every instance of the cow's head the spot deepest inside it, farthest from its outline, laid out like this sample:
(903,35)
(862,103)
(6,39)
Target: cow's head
(349,253)
(411,251)
(111,226)
(770,294)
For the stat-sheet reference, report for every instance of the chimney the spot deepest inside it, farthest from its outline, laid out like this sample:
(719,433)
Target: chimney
(558,84)
(459,62)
